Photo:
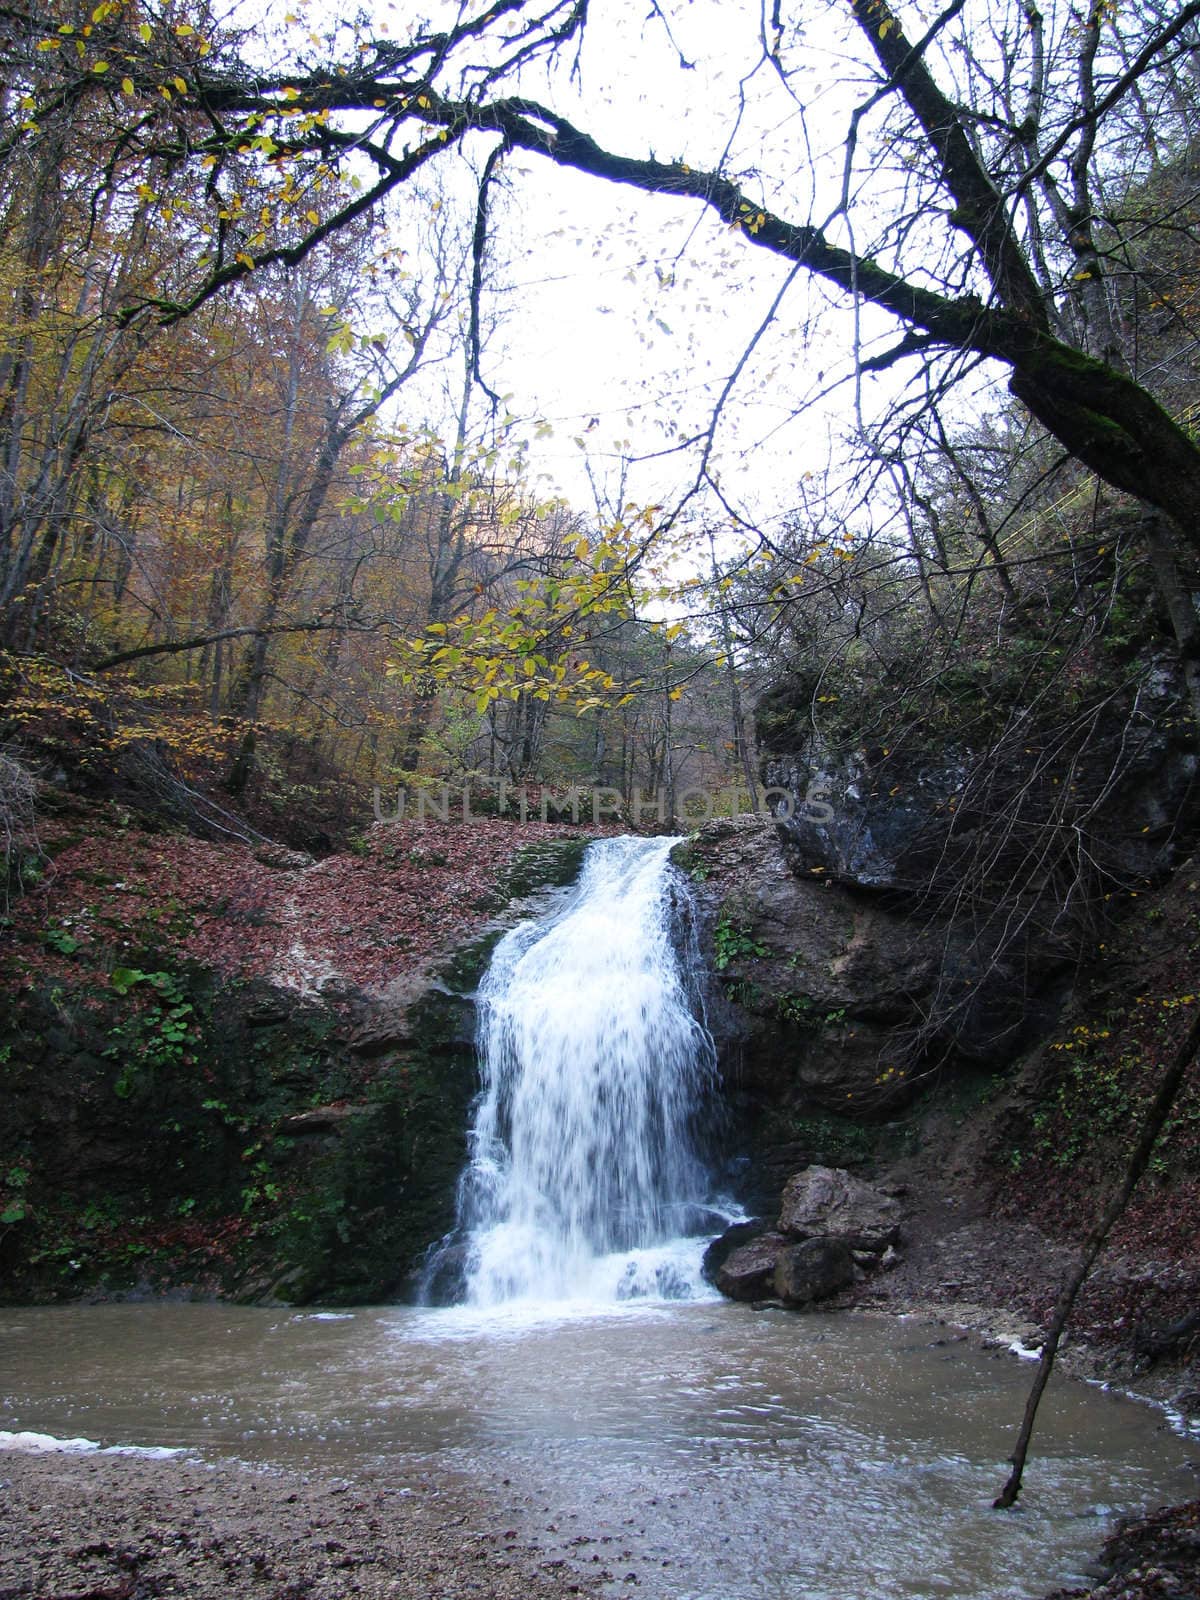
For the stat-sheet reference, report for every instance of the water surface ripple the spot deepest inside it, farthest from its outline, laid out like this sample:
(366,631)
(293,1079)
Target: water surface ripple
(713,1451)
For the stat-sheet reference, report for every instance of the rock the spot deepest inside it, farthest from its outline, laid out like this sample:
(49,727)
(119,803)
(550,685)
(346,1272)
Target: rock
(870,818)
(889,1259)
(440,1281)
(888,817)
(813,1270)
(321,1119)
(830,1201)
(723,1246)
(285,860)
(749,1271)
(815,980)
(397,1020)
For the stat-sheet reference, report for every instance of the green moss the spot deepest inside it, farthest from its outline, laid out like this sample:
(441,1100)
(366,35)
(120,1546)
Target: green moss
(461,974)
(385,1191)
(545,864)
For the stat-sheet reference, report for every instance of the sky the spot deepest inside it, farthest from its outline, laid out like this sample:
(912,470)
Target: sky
(629,312)
(617,316)
(620,315)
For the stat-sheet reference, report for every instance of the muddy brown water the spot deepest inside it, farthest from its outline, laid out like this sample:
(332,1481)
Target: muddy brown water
(709,1451)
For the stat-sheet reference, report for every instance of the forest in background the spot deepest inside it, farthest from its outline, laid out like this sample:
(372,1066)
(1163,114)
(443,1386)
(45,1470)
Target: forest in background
(269,537)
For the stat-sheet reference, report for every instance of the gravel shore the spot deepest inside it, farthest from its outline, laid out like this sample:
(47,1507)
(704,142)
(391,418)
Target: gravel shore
(113,1527)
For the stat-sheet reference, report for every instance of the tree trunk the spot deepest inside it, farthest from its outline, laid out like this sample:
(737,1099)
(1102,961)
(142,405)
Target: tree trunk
(1139,1159)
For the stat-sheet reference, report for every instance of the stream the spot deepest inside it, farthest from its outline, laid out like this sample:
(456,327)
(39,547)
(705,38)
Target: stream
(712,1450)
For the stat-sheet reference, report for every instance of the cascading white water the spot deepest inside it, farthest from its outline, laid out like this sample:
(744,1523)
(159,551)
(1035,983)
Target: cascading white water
(583,1162)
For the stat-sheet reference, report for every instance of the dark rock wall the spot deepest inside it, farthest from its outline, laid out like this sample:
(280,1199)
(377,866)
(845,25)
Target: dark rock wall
(237,1139)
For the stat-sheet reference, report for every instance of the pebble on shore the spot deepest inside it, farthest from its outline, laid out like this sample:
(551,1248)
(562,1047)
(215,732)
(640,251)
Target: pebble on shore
(112,1527)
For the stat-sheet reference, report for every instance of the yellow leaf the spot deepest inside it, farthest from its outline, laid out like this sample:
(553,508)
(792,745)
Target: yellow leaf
(145,33)
(243,259)
(183,29)
(127,88)
(312,217)
(180,85)
(100,66)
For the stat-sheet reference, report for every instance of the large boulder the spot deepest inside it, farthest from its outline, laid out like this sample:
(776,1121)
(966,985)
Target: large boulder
(722,1247)
(813,1270)
(823,1201)
(748,1273)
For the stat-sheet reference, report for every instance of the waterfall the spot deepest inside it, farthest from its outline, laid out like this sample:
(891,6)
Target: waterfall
(583,1163)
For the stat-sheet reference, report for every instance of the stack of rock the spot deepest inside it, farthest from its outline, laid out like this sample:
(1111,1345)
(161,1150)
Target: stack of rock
(832,1230)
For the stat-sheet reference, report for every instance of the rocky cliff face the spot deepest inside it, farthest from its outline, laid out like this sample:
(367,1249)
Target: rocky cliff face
(191,1106)
(810,977)
(908,816)
(923,905)
(831,1004)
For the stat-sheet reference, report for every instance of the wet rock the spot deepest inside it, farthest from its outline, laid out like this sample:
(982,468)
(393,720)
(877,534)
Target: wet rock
(723,1246)
(830,1201)
(441,1280)
(812,980)
(814,1270)
(749,1272)
(399,1020)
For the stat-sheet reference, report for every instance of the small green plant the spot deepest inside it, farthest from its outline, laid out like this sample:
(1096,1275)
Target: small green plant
(59,939)
(156,1032)
(16,1180)
(260,1187)
(744,993)
(734,941)
(798,1009)
(801,1011)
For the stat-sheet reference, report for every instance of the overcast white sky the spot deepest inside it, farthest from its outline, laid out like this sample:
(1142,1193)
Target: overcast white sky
(621,315)
(633,310)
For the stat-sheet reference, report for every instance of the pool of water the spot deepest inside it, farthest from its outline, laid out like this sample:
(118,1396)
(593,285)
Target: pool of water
(715,1450)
